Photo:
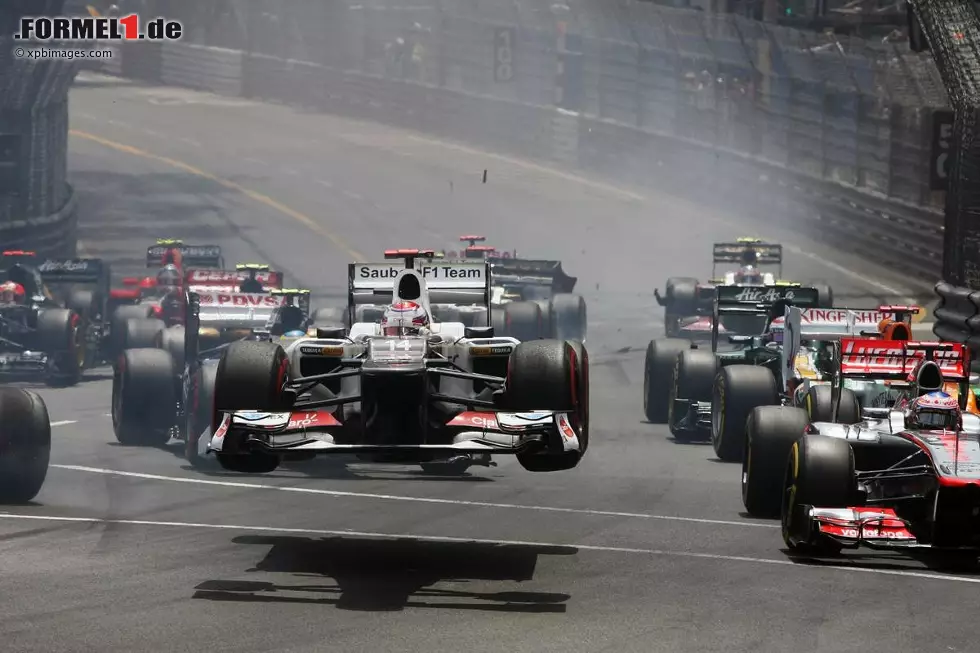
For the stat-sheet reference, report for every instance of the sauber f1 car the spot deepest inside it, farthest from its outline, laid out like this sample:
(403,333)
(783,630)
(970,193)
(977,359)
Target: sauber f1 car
(881,483)
(685,297)
(451,391)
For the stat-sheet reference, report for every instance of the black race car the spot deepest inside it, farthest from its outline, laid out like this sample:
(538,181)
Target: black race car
(59,330)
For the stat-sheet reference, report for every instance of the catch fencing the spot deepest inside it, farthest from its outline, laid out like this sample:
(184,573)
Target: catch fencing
(829,136)
(37,205)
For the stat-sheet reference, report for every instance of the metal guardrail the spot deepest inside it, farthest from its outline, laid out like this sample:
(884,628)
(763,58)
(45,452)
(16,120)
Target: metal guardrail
(37,205)
(830,138)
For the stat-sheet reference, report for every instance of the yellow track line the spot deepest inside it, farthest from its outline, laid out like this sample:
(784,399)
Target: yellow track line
(253,195)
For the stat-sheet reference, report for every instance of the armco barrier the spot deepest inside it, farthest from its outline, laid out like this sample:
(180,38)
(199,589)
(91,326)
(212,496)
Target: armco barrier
(885,230)
(52,235)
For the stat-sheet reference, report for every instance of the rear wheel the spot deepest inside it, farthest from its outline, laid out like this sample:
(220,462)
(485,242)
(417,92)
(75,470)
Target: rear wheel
(522,320)
(658,374)
(62,336)
(693,377)
(117,325)
(25,445)
(568,317)
(144,398)
(142,333)
(820,405)
(737,391)
(681,296)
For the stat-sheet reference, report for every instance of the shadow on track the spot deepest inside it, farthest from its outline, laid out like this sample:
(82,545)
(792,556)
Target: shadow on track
(391,575)
(335,469)
(935,561)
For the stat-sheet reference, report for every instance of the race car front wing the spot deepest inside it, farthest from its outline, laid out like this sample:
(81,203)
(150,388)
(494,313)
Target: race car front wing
(472,432)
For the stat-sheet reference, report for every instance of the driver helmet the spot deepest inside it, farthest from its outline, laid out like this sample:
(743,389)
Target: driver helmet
(934,411)
(748,274)
(168,277)
(404,318)
(12,293)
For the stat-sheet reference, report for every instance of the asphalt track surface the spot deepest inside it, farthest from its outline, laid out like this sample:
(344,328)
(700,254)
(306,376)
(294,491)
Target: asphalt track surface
(642,548)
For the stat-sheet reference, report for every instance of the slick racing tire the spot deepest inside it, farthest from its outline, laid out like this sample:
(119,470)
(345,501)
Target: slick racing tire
(331,316)
(474,316)
(87,305)
(523,321)
(819,404)
(692,379)
(117,325)
(819,472)
(550,375)
(172,341)
(498,320)
(738,389)
(25,445)
(568,317)
(681,295)
(144,397)
(142,333)
(658,374)
(251,375)
(200,399)
(369,314)
(61,335)
(825,295)
(771,432)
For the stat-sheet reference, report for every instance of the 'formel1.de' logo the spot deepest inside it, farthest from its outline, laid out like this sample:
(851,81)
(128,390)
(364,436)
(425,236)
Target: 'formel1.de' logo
(97,28)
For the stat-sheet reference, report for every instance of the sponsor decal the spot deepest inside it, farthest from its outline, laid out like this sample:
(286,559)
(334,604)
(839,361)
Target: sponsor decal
(64,266)
(241,299)
(252,417)
(208,277)
(471,420)
(459,272)
(311,419)
(749,294)
(877,357)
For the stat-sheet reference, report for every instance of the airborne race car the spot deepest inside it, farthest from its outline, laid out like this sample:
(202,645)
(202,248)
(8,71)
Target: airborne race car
(686,297)
(454,392)
(877,483)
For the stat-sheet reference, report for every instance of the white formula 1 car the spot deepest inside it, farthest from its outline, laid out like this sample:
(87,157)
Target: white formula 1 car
(450,396)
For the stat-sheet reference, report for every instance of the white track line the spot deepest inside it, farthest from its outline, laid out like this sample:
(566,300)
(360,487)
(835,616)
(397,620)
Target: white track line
(64,422)
(469,540)
(392,497)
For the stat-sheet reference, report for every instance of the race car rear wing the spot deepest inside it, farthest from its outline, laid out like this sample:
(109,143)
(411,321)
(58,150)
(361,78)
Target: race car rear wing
(765,253)
(516,271)
(732,297)
(78,270)
(448,282)
(896,359)
(231,280)
(201,256)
